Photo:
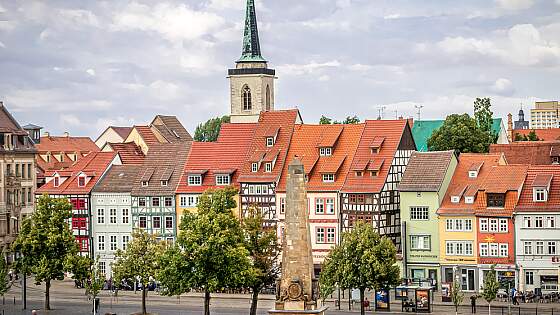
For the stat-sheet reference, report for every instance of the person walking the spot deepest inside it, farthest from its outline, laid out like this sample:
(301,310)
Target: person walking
(473,303)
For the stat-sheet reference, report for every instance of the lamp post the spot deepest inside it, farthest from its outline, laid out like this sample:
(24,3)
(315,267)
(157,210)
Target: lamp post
(24,277)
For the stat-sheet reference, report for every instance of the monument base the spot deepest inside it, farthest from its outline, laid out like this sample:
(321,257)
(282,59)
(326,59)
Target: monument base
(320,311)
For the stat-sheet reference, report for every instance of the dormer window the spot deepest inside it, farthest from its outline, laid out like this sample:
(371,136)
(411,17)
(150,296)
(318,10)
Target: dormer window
(496,200)
(222,180)
(328,178)
(373,173)
(195,180)
(268,167)
(540,195)
(473,174)
(254,167)
(56,182)
(359,174)
(327,151)
(469,200)
(145,183)
(269,141)
(455,199)
(163,183)
(81,181)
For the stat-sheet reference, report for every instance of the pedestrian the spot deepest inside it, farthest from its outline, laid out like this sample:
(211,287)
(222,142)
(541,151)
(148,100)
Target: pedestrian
(34,312)
(473,303)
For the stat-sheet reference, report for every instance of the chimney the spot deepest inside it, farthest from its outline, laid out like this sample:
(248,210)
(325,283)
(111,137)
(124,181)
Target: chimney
(510,127)
(66,134)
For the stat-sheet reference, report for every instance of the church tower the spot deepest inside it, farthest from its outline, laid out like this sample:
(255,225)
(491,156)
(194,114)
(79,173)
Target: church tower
(251,82)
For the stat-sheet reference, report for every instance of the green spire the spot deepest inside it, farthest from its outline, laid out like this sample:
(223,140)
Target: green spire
(251,45)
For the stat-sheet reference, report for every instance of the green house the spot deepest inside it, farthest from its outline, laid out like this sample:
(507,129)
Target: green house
(423,130)
(422,190)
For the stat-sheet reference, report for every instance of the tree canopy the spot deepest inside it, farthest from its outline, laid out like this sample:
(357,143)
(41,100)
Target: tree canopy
(531,136)
(349,120)
(363,260)
(211,253)
(490,287)
(139,261)
(46,242)
(4,281)
(210,130)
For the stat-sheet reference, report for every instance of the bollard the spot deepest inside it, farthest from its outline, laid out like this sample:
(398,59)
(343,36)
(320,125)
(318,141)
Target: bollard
(502,310)
(14,300)
(519,309)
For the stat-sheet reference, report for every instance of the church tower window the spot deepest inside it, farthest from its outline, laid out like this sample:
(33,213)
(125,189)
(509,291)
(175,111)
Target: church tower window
(246,98)
(267,100)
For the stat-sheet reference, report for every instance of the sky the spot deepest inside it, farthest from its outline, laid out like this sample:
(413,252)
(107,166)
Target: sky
(81,65)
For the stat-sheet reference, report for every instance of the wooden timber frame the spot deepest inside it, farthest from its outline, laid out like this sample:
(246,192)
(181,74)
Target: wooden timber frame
(265,201)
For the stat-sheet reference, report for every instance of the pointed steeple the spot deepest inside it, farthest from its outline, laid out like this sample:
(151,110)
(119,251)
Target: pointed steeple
(251,46)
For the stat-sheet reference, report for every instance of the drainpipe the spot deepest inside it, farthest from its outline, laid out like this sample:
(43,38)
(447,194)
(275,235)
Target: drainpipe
(404,250)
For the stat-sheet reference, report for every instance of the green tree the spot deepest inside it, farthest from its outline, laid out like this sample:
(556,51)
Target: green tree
(457,295)
(4,280)
(210,130)
(325,120)
(363,260)
(46,242)
(96,280)
(460,133)
(490,287)
(139,261)
(264,250)
(531,136)
(80,267)
(483,114)
(351,120)
(210,254)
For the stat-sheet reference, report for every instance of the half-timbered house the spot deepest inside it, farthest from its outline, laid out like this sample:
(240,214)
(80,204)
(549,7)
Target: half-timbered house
(370,192)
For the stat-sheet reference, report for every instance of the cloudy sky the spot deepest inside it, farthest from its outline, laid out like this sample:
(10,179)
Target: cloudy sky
(80,65)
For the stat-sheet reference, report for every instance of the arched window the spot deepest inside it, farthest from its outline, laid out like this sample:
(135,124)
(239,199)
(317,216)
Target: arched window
(246,98)
(267,101)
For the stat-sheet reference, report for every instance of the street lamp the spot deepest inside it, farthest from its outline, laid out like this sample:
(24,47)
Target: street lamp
(24,280)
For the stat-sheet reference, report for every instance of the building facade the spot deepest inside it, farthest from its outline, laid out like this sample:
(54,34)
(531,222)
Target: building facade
(537,231)
(545,115)
(111,215)
(370,191)
(18,177)
(422,190)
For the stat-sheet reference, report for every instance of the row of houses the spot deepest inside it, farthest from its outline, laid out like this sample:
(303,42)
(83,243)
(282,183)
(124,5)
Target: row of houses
(463,214)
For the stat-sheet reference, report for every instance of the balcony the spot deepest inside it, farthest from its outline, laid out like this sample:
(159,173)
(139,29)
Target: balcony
(12,181)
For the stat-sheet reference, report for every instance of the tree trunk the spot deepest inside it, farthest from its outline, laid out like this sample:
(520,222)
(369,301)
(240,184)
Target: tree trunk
(489,308)
(362,309)
(143,299)
(48,294)
(254,301)
(206,302)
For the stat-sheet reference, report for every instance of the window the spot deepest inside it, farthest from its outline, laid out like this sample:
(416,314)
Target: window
(473,174)
(168,222)
(329,205)
(102,267)
(459,248)
(469,200)
(195,180)
(550,222)
(468,225)
(113,216)
(458,225)
(222,180)
(142,202)
(552,248)
(155,201)
(328,178)
(420,242)
(246,98)
(503,225)
(163,183)
(455,199)
(100,216)
(125,216)
(539,195)
(449,225)
(527,222)
(168,201)
(538,222)
(192,201)
(268,167)
(504,250)
(101,242)
(145,183)
(269,141)
(493,225)
(331,235)
(484,249)
(496,200)
(82,181)
(325,151)
(493,250)
(254,167)
(319,206)
(320,234)
(183,201)
(56,181)
(529,278)
(539,248)
(359,173)
(419,213)
(142,222)
(282,205)
(528,248)
(125,240)
(113,242)
(156,222)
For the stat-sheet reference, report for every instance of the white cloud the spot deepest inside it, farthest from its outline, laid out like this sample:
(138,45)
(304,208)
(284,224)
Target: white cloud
(165,91)
(90,72)
(69,119)
(2,45)
(503,87)
(173,22)
(324,78)
(392,16)
(515,4)
(295,69)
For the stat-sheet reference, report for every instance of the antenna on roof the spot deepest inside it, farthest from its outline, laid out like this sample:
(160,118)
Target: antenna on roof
(396,114)
(419,108)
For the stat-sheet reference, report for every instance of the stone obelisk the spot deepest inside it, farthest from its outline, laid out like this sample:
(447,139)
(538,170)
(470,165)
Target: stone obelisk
(297,289)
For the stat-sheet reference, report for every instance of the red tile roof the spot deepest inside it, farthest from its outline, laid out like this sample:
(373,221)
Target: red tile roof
(147,134)
(307,140)
(285,121)
(66,144)
(552,134)
(123,132)
(392,131)
(526,203)
(225,156)
(426,171)
(461,182)
(529,152)
(130,153)
(93,166)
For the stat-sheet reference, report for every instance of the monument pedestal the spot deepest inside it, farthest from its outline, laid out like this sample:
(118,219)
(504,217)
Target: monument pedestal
(320,311)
